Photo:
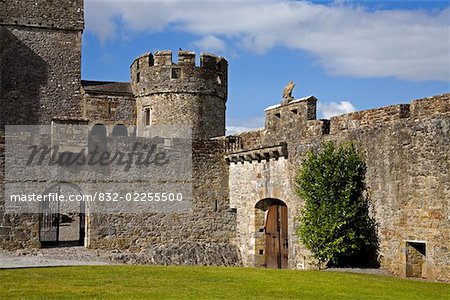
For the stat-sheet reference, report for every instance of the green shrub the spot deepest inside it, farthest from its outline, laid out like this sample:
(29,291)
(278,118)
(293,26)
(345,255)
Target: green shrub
(335,224)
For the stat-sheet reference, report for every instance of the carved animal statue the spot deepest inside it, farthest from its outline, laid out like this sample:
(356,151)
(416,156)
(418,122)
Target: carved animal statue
(287,92)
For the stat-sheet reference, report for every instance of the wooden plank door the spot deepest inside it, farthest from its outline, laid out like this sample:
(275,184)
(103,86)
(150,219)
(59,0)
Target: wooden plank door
(276,237)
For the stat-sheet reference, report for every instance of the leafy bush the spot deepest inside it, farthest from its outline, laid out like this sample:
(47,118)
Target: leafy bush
(335,223)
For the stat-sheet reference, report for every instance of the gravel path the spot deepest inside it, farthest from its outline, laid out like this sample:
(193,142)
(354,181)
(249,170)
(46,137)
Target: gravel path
(52,257)
(361,271)
(80,256)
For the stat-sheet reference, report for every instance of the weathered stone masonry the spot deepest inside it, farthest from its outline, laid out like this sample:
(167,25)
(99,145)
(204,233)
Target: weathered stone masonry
(40,72)
(407,150)
(40,69)
(181,93)
(235,179)
(40,60)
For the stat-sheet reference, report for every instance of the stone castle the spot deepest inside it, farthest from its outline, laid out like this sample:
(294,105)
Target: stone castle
(245,207)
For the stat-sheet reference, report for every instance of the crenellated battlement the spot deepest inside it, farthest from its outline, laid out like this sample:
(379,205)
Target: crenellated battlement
(158,73)
(185,59)
(290,118)
(170,91)
(162,58)
(297,119)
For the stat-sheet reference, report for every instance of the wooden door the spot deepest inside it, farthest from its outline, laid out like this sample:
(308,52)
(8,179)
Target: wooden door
(276,237)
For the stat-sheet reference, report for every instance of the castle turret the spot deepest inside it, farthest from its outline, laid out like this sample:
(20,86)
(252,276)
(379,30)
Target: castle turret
(182,93)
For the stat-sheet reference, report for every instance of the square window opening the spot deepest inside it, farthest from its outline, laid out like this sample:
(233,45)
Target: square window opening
(176,73)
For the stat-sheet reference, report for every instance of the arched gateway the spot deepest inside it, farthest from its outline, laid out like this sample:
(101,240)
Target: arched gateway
(271,244)
(62,223)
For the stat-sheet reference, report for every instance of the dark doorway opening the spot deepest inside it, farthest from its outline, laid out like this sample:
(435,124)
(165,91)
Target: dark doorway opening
(62,223)
(415,259)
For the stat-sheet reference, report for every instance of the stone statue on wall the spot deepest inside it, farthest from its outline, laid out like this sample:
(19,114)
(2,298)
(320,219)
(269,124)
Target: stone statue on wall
(287,92)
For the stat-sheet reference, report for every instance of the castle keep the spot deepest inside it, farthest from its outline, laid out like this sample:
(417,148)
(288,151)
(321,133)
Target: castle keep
(244,205)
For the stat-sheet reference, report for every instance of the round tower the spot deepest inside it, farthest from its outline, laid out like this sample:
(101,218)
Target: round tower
(181,93)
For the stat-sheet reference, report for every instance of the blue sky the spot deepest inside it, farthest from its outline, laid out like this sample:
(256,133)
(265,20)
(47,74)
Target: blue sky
(351,55)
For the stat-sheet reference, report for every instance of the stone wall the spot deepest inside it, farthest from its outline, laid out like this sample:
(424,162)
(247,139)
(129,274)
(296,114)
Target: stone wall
(16,231)
(108,103)
(204,113)
(407,150)
(39,83)
(40,60)
(409,183)
(251,182)
(68,14)
(369,118)
(430,107)
(203,235)
(295,120)
(40,69)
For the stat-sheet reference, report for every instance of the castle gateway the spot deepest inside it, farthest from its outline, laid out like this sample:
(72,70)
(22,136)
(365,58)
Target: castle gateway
(244,207)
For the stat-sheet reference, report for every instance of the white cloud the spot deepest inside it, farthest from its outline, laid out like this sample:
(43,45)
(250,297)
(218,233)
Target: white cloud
(346,39)
(210,43)
(237,124)
(328,110)
(99,19)
(237,129)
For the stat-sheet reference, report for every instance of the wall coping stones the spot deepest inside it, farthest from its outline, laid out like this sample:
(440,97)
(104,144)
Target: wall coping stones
(293,101)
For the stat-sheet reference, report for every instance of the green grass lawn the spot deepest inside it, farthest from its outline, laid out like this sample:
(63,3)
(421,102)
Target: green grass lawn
(208,282)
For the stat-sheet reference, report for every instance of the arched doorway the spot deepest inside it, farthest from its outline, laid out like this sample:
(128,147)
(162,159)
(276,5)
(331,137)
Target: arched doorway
(271,243)
(62,223)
